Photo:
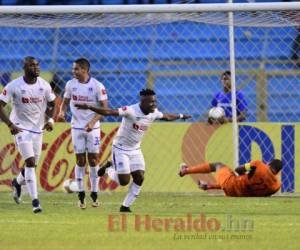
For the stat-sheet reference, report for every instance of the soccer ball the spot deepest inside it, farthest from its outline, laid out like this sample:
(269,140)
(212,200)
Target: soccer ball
(70,186)
(216,113)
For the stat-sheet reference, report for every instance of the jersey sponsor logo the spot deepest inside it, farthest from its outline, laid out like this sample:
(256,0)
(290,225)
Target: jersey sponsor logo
(25,100)
(90,89)
(139,127)
(31,100)
(81,98)
(103,91)
(74,89)
(41,89)
(23,91)
(4,92)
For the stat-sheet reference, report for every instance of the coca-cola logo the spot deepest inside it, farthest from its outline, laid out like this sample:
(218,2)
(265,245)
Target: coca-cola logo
(55,167)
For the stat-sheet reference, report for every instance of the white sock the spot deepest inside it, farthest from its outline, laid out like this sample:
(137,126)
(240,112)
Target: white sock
(30,179)
(94,179)
(21,179)
(112,173)
(79,176)
(132,194)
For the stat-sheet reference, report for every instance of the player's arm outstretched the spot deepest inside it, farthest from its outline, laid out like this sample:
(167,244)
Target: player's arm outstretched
(173,117)
(89,127)
(101,111)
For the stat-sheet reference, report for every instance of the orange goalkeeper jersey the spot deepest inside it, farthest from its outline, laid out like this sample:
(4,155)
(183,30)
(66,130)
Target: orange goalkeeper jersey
(259,181)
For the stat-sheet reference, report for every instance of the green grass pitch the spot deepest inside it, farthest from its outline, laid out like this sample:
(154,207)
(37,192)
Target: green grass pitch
(245,223)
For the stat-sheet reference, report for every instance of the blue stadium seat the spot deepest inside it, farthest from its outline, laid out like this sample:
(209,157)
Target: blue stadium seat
(194,49)
(195,104)
(27,34)
(278,84)
(126,84)
(248,50)
(189,85)
(213,1)
(19,49)
(112,2)
(283,116)
(8,2)
(278,48)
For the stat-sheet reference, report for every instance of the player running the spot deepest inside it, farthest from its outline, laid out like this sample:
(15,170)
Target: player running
(32,111)
(128,159)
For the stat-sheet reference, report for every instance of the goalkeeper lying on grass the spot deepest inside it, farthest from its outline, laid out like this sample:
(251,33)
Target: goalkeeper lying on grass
(255,178)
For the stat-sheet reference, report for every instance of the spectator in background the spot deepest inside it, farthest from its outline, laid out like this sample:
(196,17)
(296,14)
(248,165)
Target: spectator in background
(223,99)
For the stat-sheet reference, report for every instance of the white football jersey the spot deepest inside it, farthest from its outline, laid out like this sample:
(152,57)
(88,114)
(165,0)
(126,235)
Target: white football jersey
(91,92)
(29,102)
(134,125)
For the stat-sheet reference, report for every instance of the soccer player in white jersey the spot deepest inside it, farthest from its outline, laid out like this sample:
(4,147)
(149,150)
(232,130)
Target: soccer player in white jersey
(32,111)
(85,125)
(128,159)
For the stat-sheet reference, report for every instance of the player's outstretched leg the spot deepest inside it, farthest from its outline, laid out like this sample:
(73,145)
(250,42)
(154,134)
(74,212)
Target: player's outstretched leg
(17,189)
(103,168)
(36,207)
(203,168)
(81,202)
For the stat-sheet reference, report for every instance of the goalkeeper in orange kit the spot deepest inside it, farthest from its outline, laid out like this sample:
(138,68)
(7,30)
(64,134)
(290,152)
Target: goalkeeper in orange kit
(255,178)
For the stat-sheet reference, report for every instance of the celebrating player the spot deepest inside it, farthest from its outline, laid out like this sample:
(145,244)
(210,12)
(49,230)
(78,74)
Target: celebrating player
(32,111)
(255,178)
(127,155)
(85,125)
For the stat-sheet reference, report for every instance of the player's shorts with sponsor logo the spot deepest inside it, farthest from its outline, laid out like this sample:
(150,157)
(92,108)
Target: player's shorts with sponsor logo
(127,161)
(84,141)
(29,144)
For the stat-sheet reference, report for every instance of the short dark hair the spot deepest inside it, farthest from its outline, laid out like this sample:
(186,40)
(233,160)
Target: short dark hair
(28,58)
(226,73)
(276,165)
(147,92)
(83,63)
